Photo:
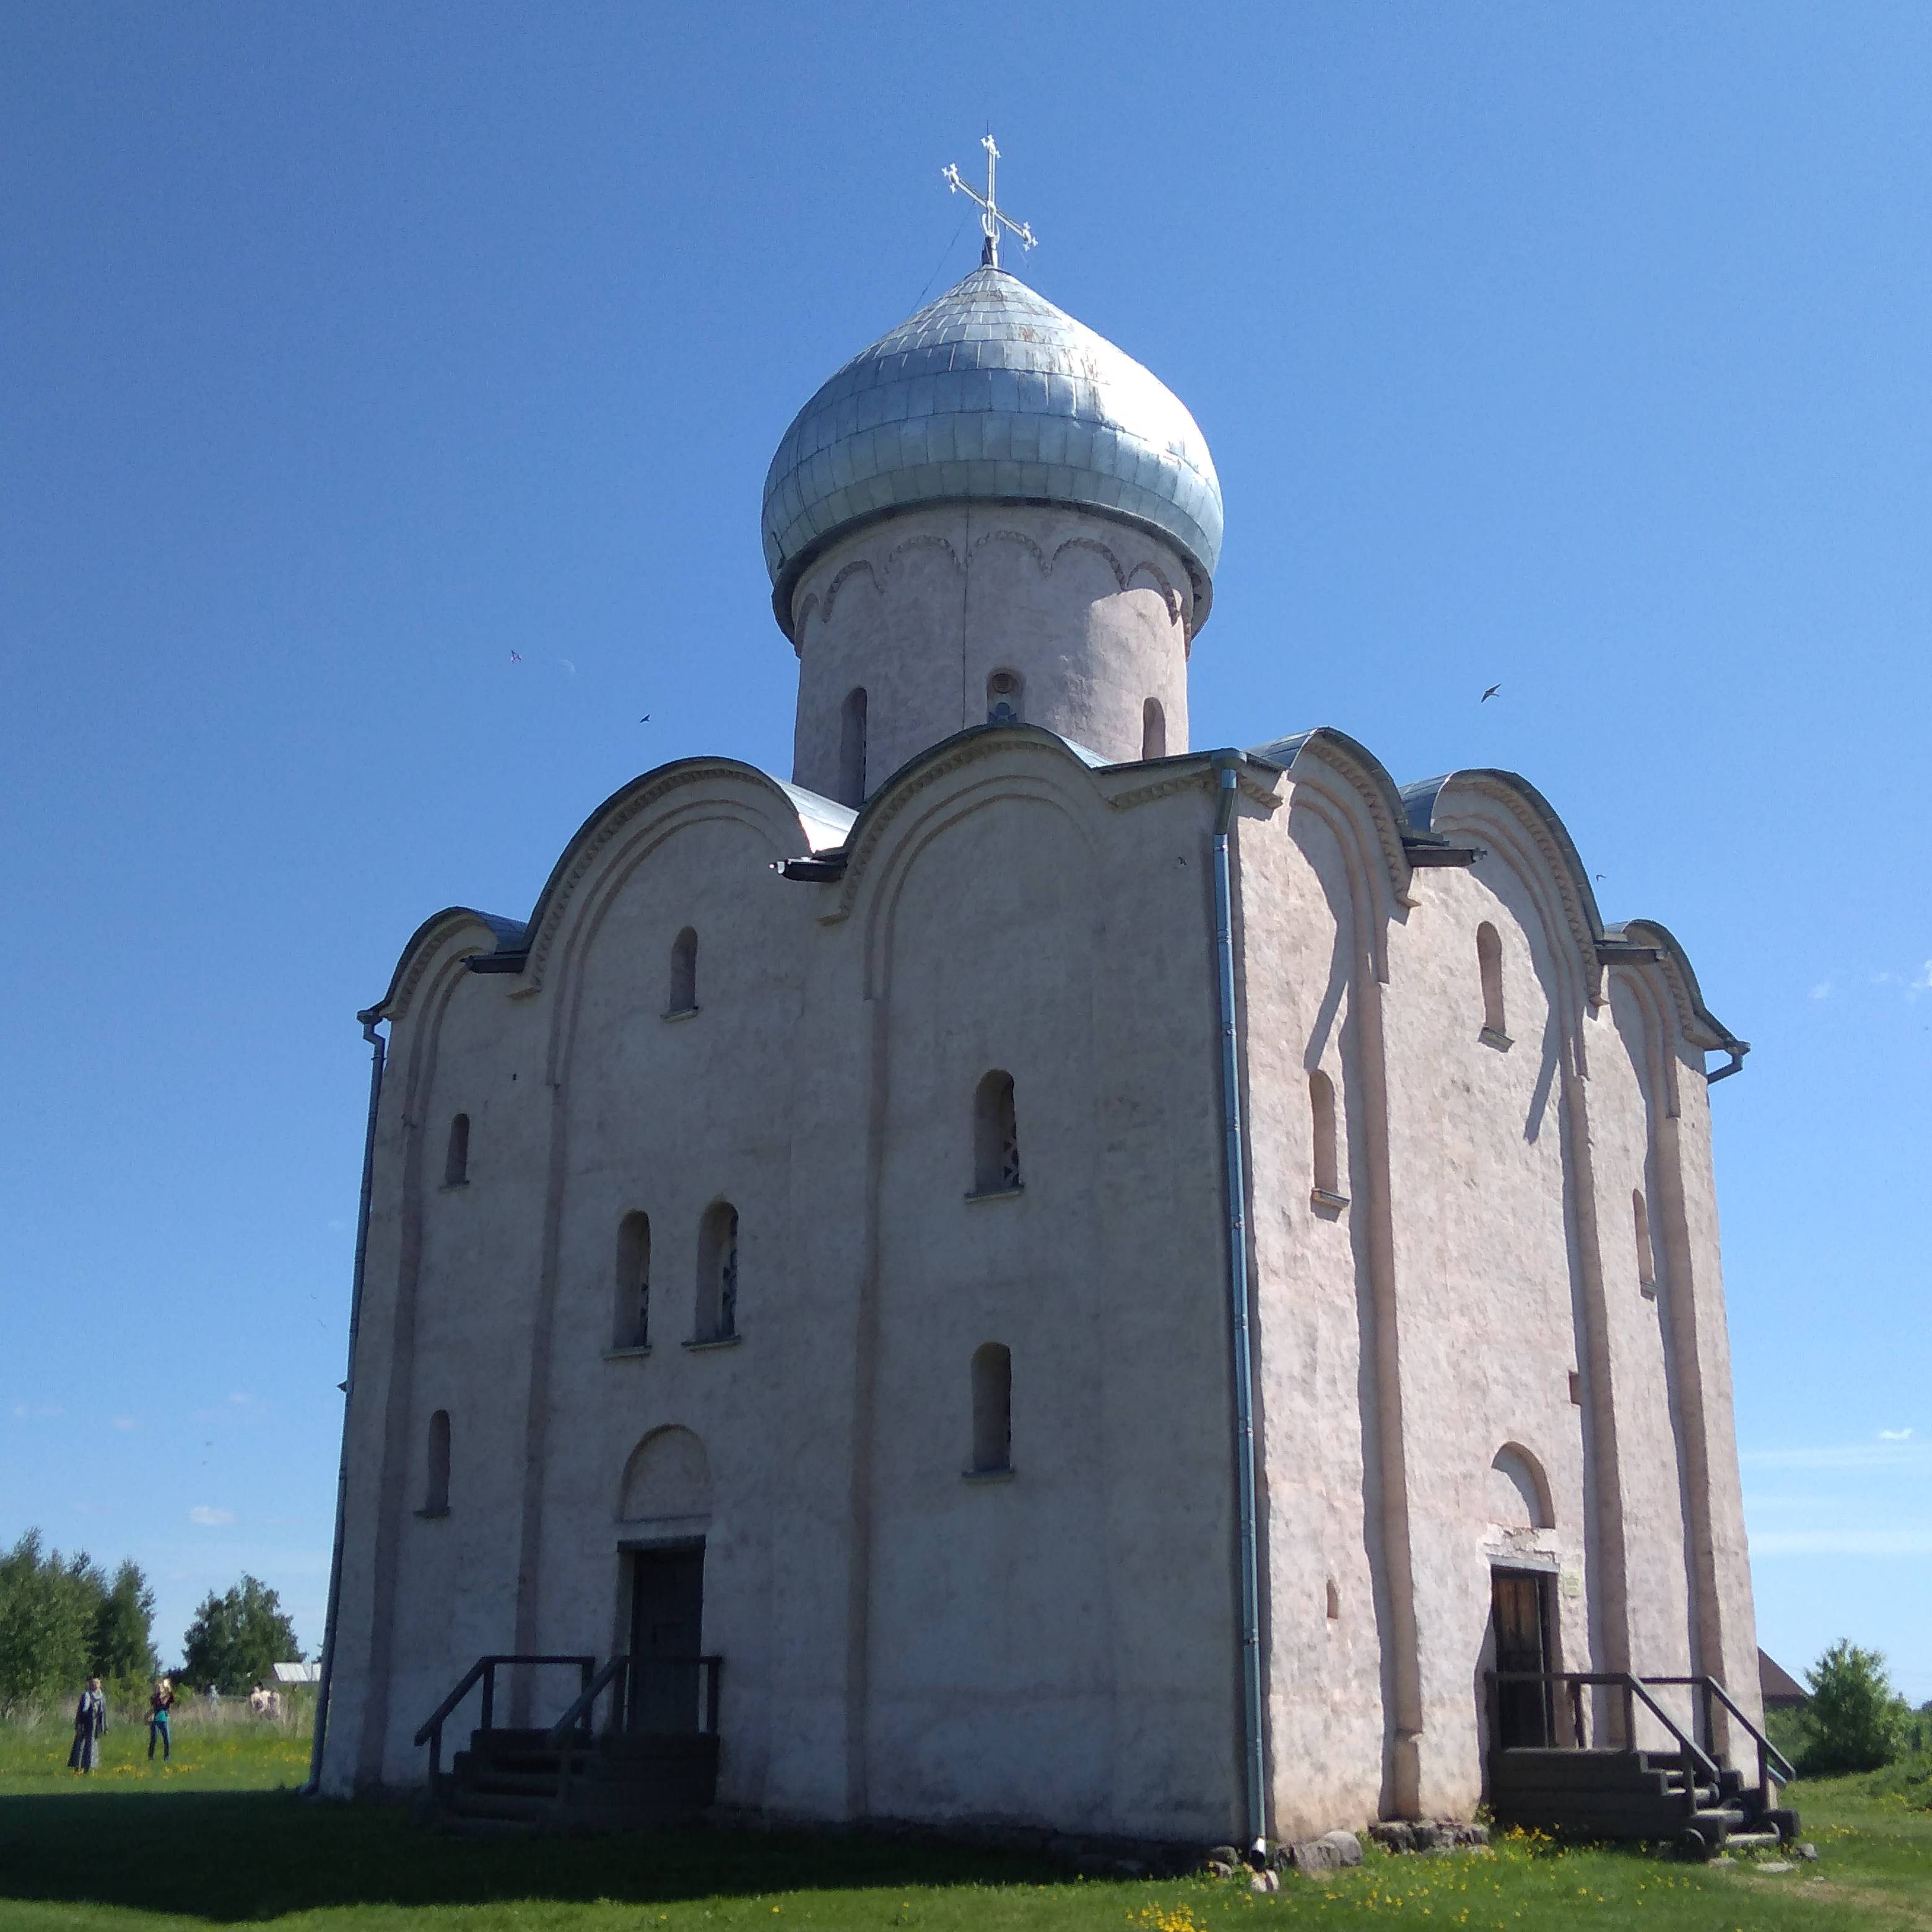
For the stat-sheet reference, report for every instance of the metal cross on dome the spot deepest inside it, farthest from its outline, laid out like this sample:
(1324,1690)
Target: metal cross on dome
(992,218)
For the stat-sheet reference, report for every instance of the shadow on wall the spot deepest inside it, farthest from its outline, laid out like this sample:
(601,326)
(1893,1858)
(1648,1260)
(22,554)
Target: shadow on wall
(253,1856)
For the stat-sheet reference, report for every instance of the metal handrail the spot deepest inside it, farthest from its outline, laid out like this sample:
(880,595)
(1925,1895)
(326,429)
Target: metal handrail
(577,1718)
(430,1731)
(1772,1763)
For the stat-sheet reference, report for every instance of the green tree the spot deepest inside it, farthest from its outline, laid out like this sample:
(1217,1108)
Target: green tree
(48,1605)
(123,1634)
(236,1637)
(1856,1721)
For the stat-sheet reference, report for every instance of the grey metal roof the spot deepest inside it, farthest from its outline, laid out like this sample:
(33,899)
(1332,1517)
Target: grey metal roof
(990,393)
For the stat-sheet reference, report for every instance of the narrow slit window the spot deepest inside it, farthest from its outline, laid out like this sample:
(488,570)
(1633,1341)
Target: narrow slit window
(1154,729)
(992,1409)
(632,1328)
(1321,1122)
(852,748)
(1489,967)
(684,973)
(1005,693)
(456,1160)
(1646,1258)
(996,1136)
(718,1274)
(436,1493)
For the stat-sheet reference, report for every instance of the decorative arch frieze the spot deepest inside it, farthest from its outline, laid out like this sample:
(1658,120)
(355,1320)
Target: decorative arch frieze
(1369,783)
(1431,809)
(426,943)
(1025,542)
(838,583)
(1700,1028)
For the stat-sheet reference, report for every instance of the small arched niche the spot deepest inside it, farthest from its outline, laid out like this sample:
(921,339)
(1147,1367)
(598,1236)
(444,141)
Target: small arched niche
(996,1136)
(852,730)
(1327,1162)
(1489,970)
(717,1311)
(1154,729)
(1519,1491)
(436,1488)
(668,1475)
(683,974)
(456,1154)
(1646,1255)
(630,1327)
(992,1410)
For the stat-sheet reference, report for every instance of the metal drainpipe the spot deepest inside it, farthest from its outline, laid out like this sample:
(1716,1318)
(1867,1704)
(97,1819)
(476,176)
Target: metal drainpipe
(1235,1167)
(377,1055)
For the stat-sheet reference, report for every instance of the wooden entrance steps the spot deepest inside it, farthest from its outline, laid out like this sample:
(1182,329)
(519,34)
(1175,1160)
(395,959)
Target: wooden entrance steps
(522,1780)
(1687,1796)
(565,1777)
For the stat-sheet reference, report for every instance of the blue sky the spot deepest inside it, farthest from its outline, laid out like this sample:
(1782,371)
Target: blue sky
(347,350)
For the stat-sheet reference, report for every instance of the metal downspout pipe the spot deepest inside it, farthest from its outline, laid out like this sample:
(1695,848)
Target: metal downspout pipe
(377,1057)
(1235,1169)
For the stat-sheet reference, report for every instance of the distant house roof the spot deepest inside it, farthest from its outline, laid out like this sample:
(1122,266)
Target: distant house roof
(1782,1691)
(311,1673)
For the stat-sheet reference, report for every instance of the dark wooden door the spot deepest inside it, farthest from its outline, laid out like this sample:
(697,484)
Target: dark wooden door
(1519,1614)
(667,1631)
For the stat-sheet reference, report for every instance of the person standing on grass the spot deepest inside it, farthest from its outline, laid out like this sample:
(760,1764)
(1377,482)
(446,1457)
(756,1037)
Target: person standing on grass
(159,1705)
(90,1719)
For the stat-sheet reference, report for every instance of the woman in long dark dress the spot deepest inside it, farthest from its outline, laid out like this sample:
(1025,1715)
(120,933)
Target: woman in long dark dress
(90,1719)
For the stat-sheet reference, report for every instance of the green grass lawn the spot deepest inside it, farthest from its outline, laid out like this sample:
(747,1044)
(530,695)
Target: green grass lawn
(219,1838)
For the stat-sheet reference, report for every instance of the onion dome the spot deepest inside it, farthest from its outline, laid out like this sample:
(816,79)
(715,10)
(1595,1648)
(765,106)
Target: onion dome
(990,394)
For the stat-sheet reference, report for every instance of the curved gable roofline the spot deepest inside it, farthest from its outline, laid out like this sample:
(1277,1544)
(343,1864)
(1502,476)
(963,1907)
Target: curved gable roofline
(1702,1026)
(511,935)
(1423,798)
(822,823)
(1371,780)
(868,823)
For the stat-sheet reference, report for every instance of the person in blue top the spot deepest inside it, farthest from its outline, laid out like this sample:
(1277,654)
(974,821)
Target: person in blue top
(159,1705)
(90,1719)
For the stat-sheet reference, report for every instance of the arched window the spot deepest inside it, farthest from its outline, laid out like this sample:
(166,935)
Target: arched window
(683,972)
(436,1494)
(1646,1258)
(1489,965)
(992,1409)
(632,1327)
(456,1160)
(852,749)
(1321,1122)
(717,1274)
(1154,729)
(996,1136)
(1006,691)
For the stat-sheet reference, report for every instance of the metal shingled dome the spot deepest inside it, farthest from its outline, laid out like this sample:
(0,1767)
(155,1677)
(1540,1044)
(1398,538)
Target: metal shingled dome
(990,394)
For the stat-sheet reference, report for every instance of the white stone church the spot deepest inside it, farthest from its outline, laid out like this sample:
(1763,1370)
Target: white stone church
(1031,1274)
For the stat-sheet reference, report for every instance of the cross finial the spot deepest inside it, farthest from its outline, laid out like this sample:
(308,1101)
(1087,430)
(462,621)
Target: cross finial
(992,218)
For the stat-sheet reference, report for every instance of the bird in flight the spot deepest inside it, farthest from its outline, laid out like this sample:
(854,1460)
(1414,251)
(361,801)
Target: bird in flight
(1490,693)
(645,719)
(516,657)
